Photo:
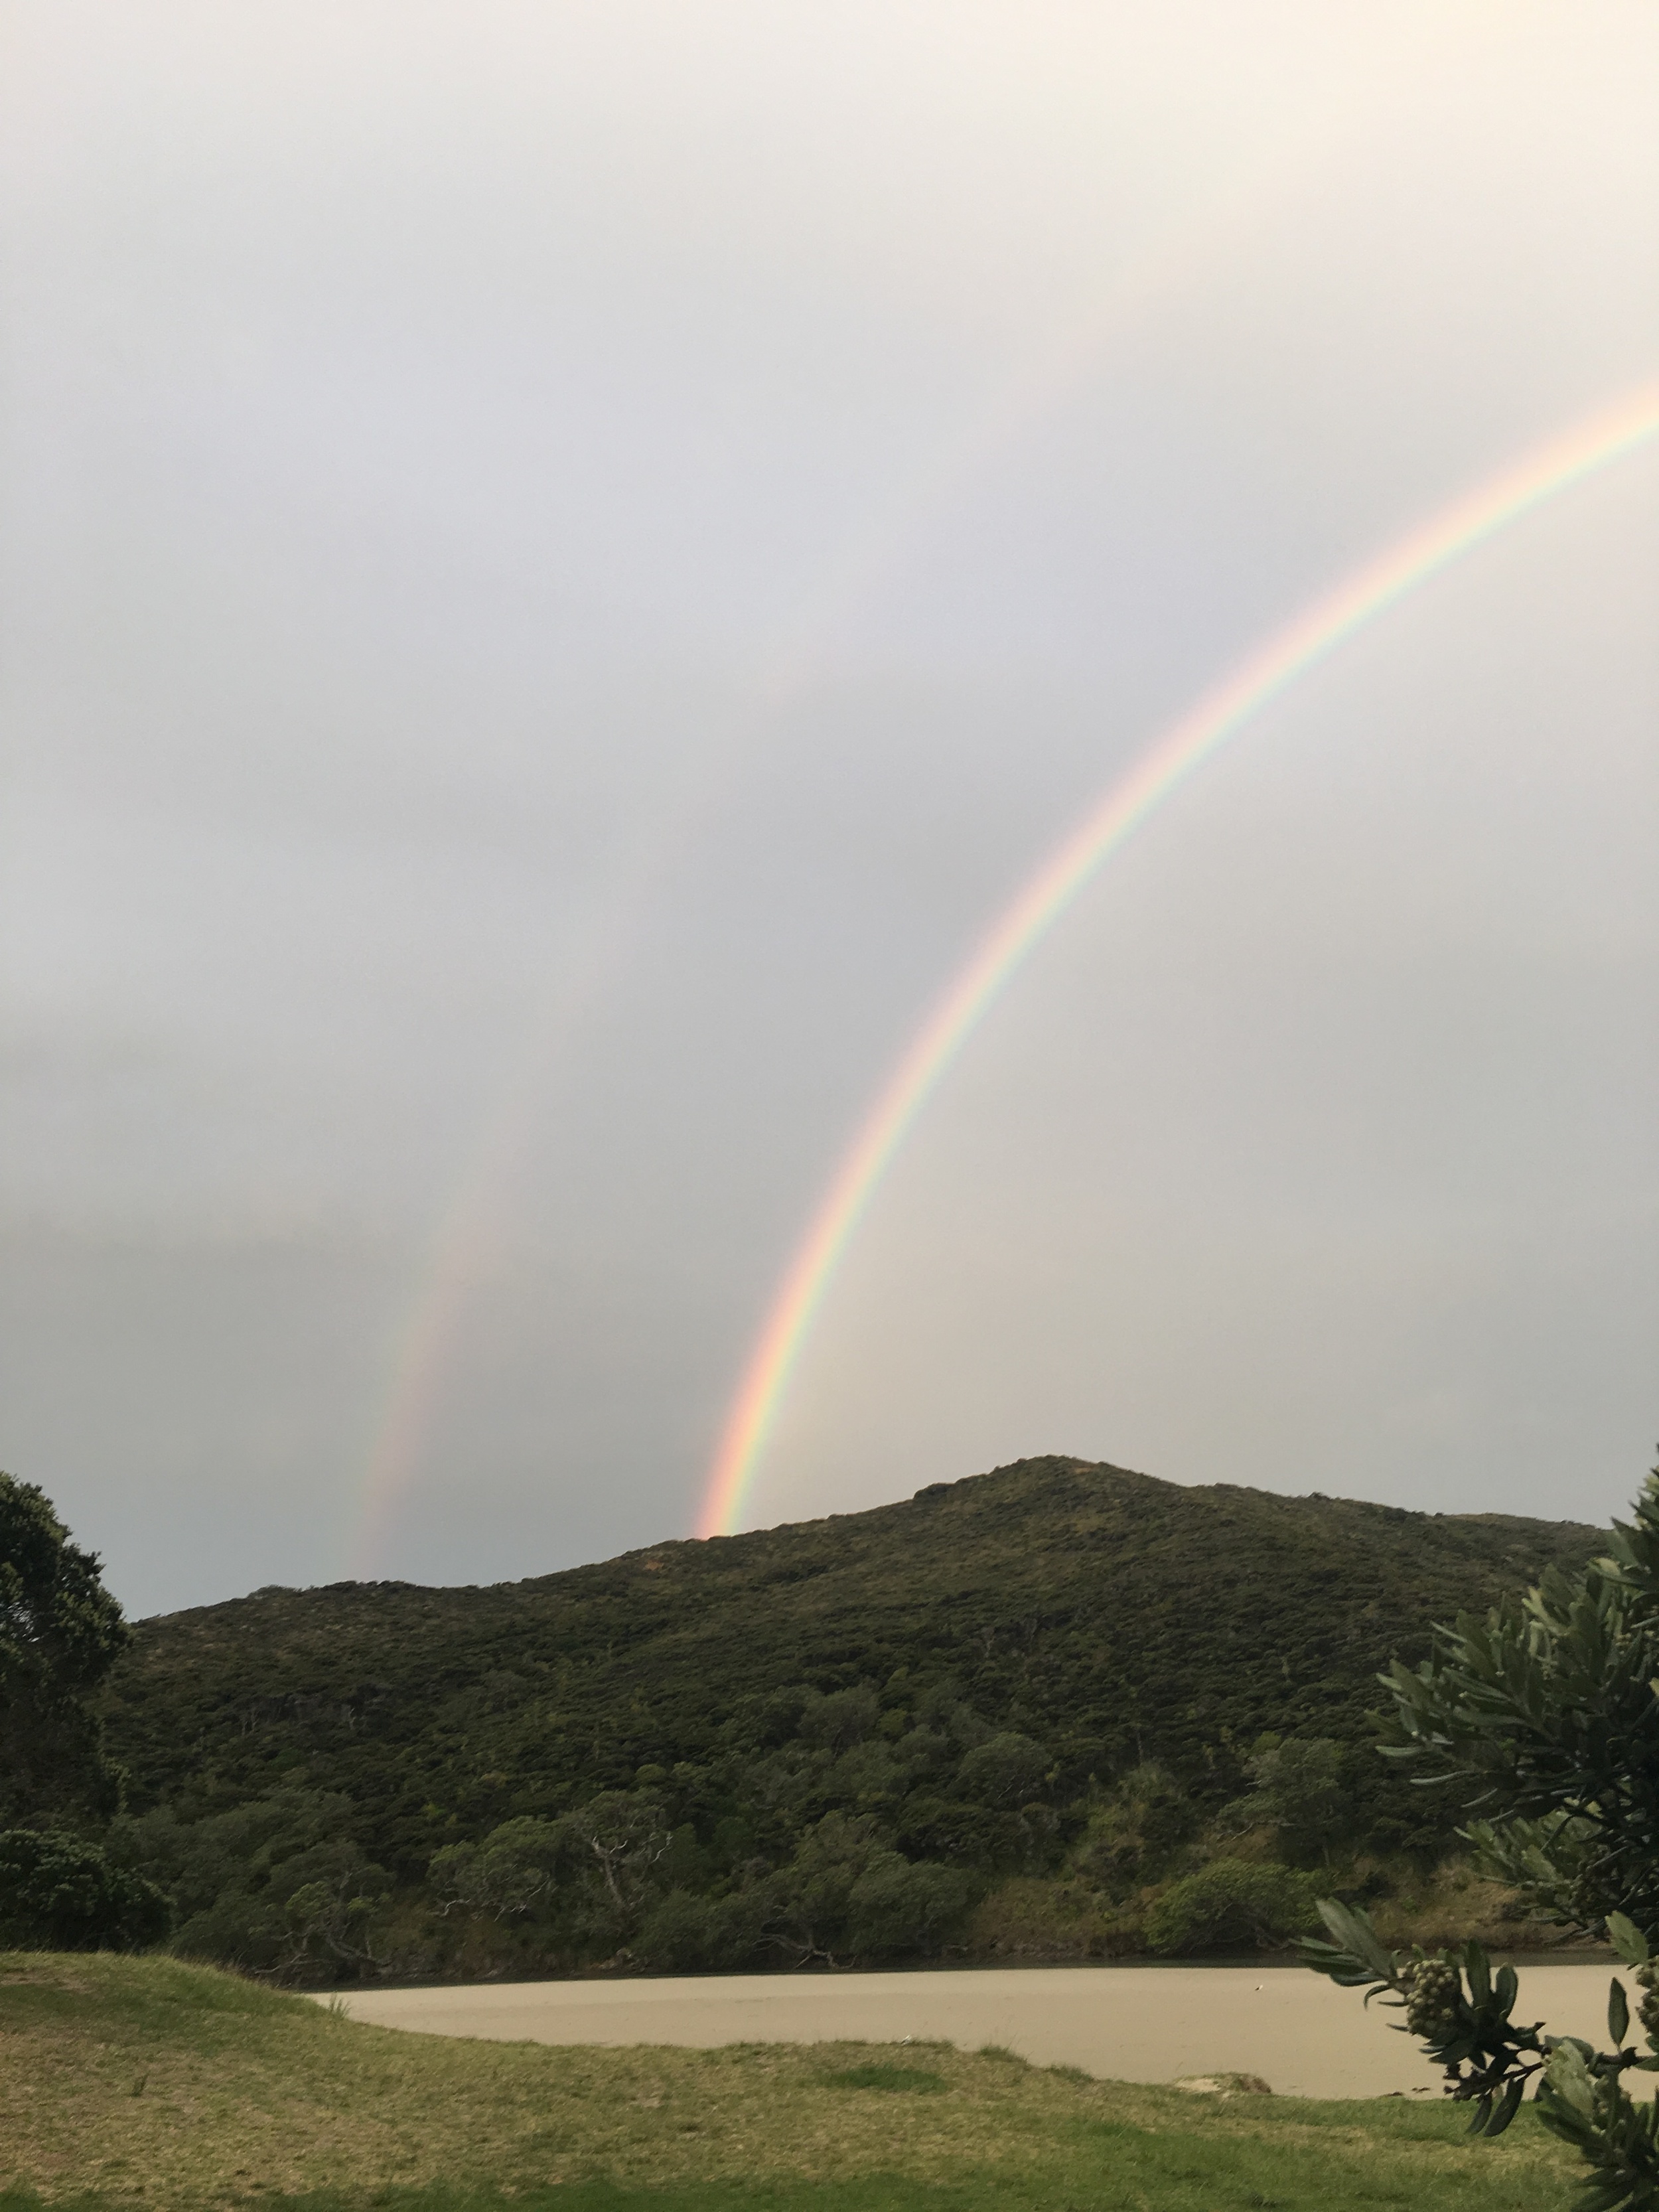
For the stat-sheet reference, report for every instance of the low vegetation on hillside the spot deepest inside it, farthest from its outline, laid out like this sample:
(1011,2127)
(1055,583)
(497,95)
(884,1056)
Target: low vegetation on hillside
(1058,1710)
(134,2082)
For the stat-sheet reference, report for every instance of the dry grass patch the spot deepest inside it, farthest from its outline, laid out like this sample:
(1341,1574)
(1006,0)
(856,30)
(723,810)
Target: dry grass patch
(148,2082)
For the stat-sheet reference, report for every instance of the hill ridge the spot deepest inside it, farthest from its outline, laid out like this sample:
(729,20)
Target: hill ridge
(972,1676)
(787,1529)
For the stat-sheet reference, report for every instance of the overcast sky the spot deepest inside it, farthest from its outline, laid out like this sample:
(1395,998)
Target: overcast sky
(560,562)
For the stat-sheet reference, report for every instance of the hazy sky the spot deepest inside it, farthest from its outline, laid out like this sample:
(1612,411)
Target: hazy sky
(560,562)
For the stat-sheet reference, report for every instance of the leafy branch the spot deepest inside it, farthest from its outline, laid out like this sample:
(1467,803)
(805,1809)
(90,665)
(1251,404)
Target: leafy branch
(1545,1715)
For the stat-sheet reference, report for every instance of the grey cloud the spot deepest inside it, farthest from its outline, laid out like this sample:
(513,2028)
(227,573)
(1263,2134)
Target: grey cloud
(563,562)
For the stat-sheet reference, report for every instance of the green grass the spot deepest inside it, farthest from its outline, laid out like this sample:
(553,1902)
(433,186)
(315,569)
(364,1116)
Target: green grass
(145,2082)
(911,2078)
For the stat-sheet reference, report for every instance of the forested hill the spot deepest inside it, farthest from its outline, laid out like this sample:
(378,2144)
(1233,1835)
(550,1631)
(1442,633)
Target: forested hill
(1101,1618)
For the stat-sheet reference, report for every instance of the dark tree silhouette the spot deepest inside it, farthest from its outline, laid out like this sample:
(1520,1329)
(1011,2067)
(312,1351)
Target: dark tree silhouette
(60,1633)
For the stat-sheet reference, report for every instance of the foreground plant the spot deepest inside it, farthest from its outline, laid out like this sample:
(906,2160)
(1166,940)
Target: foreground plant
(1461,2010)
(1546,1715)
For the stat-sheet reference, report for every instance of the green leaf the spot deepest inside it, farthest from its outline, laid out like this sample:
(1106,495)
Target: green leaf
(1561,2119)
(1339,1964)
(1478,1968)
(1482,2114)
(1570,2078)
(1617,2011)
(1510,2106)
(1617,2192)
(1353,1933)
(1505,1989)
(1627,1939)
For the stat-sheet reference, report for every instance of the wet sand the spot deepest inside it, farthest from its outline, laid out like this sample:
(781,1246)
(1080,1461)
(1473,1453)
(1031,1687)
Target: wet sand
(1300,2033)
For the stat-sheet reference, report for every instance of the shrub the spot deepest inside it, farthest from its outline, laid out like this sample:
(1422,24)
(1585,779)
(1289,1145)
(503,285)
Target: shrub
(841,1720)
(58,1894)
(679,1933)
(1297,1792)
(944,1828)
(237,1928)
(808,1901)
(1027,1916)
(297,1910)
(1147,1817)
(1006,1770)
(1228,1903)
(896,1907)
(509,1874)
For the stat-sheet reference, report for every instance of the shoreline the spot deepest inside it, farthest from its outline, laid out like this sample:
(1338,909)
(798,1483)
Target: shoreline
(1296,2030)
(1275,1962)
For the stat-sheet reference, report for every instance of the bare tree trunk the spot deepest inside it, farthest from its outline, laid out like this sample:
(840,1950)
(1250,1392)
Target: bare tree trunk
(605,1859)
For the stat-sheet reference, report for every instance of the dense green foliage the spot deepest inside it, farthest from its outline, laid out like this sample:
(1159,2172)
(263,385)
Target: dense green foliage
(818,1741)
(1544,1716)
(1230,1904)
(60,1633)
(57,1894)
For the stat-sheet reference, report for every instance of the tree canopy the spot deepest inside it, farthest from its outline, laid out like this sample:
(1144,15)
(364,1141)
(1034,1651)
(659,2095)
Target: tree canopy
(57,1894)
(61,1632)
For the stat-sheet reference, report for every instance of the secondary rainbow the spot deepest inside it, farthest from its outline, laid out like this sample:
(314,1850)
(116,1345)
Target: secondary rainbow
(1224,710)
(466,1237)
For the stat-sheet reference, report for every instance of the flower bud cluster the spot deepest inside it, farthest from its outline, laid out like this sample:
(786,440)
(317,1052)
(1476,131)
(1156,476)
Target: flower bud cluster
(1648,2011)
(1432,1990)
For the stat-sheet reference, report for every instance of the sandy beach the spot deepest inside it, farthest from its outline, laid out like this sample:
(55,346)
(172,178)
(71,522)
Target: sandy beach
(1298,2032)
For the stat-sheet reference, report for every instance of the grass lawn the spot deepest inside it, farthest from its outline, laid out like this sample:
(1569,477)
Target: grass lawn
(142,2081)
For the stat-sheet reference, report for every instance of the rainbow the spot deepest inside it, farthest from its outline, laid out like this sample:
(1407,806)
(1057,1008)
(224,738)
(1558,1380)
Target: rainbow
(1538,475)
(466,1237)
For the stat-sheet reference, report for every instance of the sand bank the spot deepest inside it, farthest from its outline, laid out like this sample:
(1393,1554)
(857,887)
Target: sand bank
(1298,2031)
